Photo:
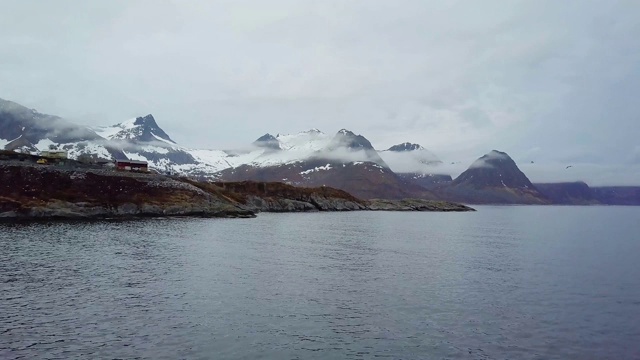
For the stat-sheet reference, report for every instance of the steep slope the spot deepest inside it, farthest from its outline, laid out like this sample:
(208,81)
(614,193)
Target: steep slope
(493,178)
(142,139)
(140,129)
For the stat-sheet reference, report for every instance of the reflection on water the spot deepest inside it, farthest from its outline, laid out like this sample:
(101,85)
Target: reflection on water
(505,282)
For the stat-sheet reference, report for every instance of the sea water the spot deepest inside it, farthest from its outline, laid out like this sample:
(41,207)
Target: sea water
(505,282)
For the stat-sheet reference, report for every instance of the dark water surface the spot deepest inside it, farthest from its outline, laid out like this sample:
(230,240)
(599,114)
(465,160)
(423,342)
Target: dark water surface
(501,283)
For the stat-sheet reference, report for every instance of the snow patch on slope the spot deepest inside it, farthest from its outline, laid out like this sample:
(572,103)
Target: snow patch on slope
(306,141)
(317,168)
(75,149)
(110,132)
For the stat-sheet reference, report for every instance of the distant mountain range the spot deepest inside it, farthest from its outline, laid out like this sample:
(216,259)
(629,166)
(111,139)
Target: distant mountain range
(345,160)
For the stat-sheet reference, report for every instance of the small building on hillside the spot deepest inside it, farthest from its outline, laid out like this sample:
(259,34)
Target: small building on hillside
(132,165)
(54,154)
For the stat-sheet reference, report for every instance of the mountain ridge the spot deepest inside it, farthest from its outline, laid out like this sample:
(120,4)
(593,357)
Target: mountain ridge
(344,160)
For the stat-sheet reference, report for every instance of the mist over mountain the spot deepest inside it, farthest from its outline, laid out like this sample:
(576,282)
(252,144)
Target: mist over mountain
(495,169)
(494,178)
(267,141)
(23,129)
(343,160)
(411,158)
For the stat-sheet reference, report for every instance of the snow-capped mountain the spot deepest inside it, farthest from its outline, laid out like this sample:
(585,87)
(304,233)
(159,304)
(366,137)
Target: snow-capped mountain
(143,129)
(344,160)
(410,158)
(315,144)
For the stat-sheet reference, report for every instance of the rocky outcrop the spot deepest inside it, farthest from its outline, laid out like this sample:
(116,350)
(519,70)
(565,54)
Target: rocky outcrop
(41,191)
(279,197)
(416,205)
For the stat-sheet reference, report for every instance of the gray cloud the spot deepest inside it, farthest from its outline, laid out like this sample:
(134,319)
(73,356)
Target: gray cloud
(460,78)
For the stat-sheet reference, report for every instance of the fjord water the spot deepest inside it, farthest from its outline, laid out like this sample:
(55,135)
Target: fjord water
(501,283)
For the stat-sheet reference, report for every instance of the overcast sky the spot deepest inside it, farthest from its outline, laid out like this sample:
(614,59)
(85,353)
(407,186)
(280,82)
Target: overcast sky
(554,82)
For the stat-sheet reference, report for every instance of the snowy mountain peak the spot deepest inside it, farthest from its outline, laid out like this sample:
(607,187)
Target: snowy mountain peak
(406,147)
(410,158)
(143,129)
(306,141)
(266,137)
(267,141)
(346,138)
(494,158)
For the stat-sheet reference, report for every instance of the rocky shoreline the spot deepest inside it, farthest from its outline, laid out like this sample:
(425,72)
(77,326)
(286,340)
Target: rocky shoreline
(30,192)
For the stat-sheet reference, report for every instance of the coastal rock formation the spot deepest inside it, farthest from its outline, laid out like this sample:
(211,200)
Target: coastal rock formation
(416,205)
(279,197)
(33,192)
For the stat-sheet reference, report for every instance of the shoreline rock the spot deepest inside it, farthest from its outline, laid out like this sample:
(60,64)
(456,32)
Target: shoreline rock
(417,205)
